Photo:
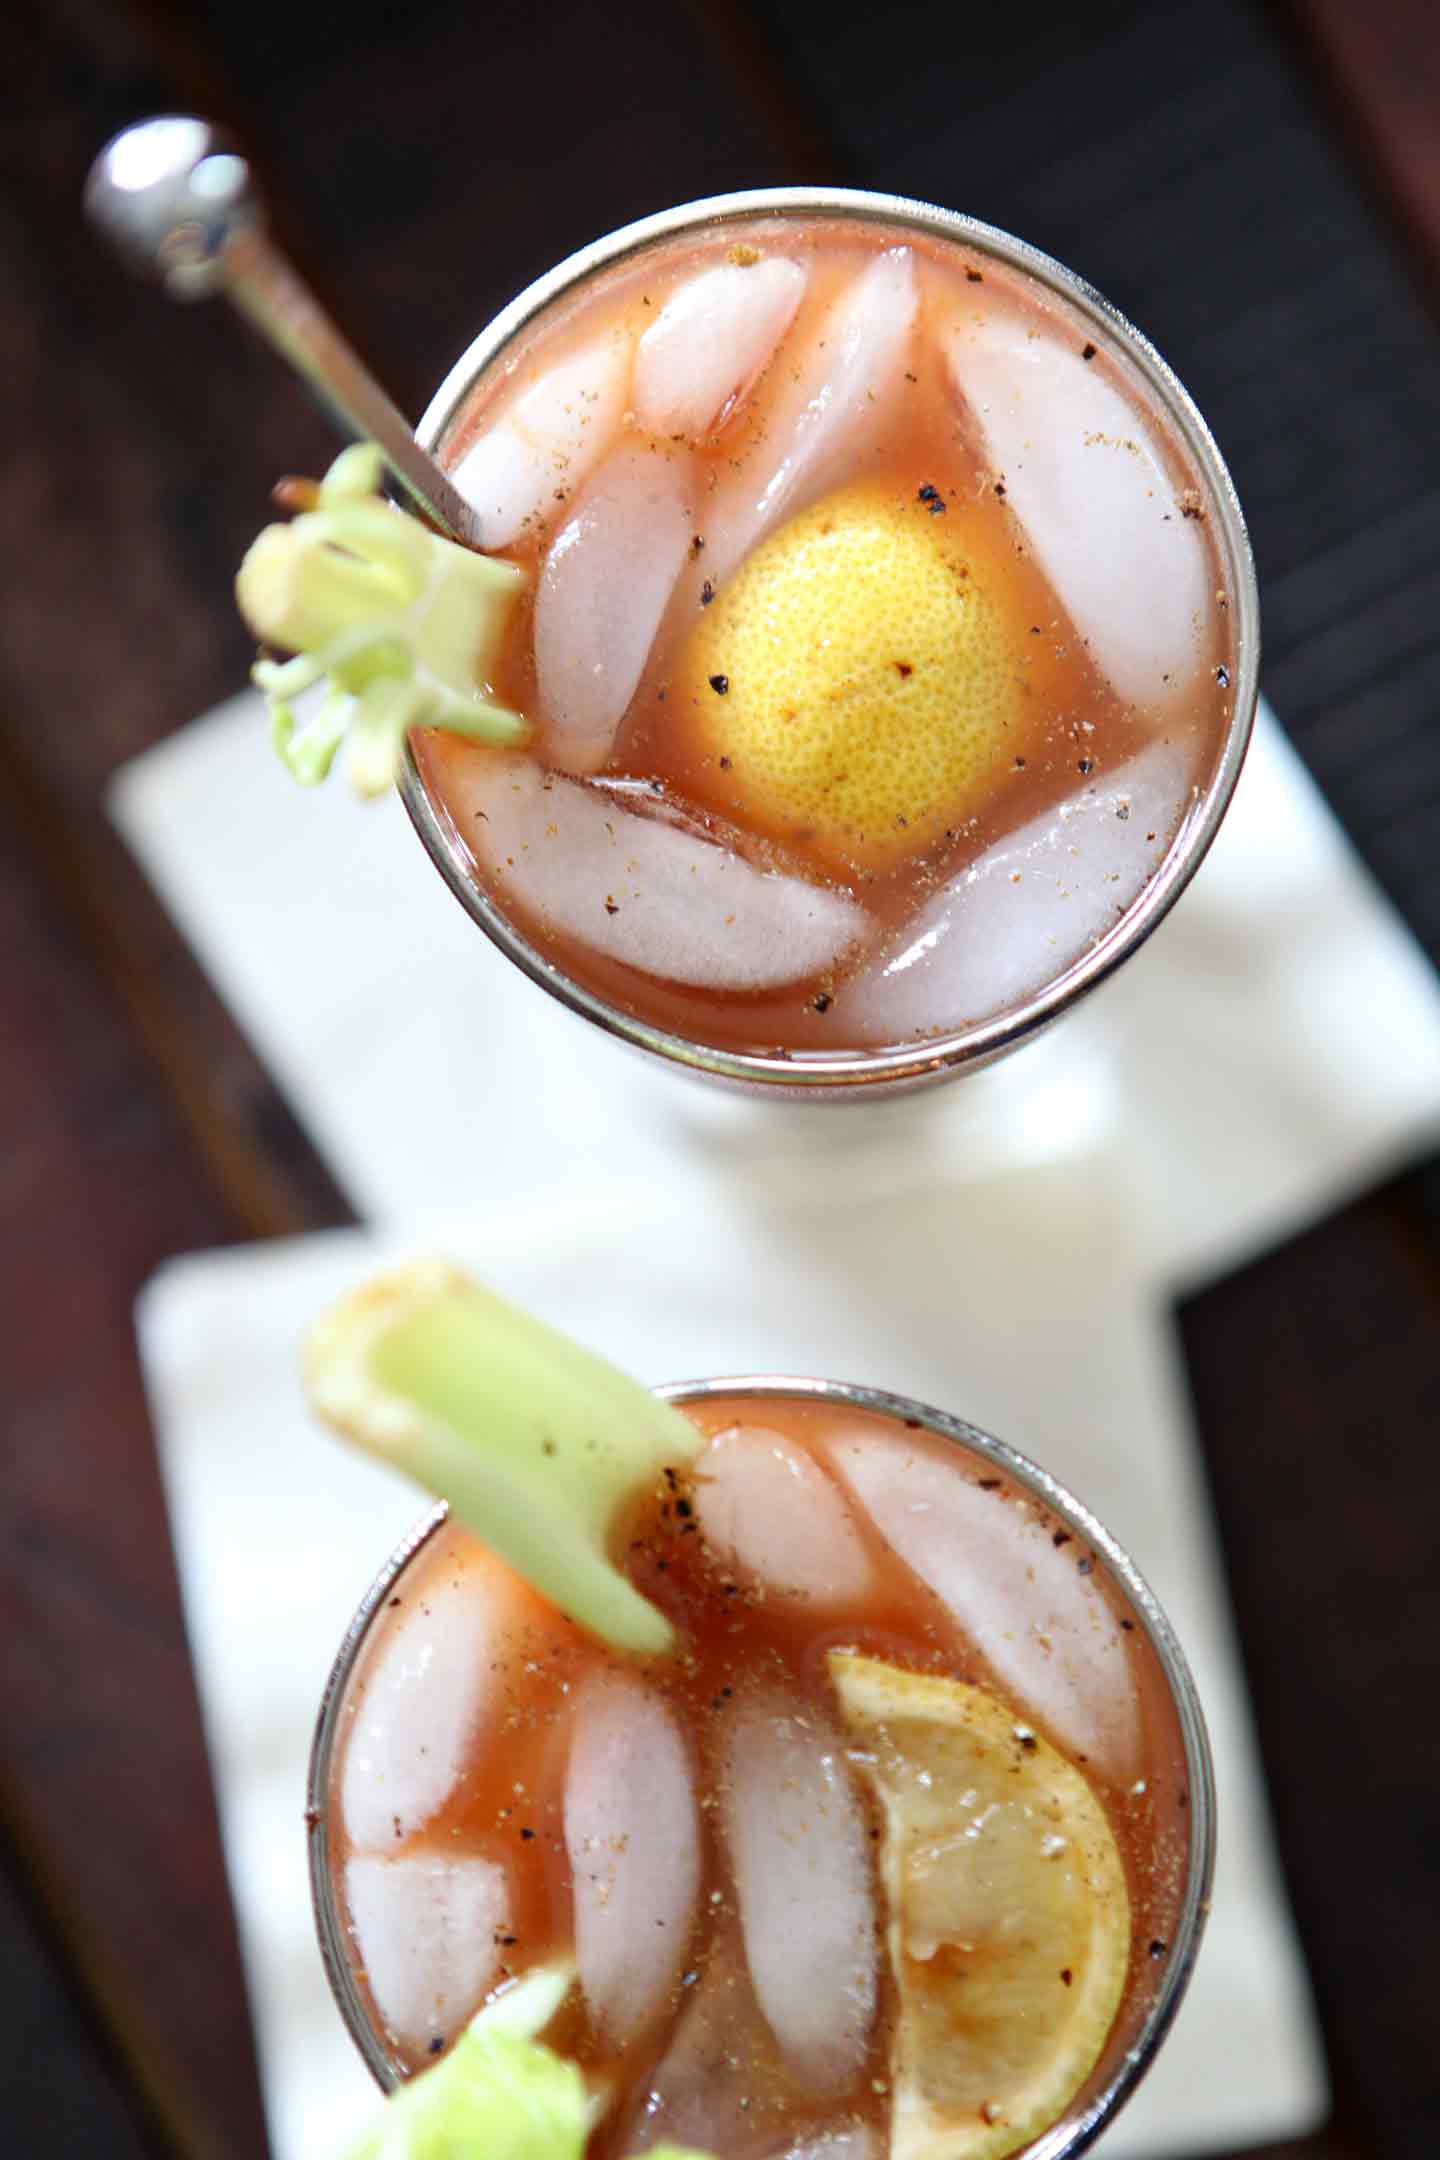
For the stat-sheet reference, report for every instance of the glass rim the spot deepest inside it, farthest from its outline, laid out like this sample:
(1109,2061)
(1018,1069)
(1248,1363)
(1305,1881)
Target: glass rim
(890,1068)
(1062,2141)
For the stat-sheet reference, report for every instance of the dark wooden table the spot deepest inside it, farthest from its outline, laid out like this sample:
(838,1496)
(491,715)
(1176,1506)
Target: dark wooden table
(1261,190)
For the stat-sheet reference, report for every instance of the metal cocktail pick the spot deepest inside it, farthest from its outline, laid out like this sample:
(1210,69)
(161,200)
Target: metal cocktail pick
(178,204)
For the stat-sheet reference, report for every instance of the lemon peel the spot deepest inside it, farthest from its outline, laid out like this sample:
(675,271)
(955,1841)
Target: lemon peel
(869,675)
(1009,1919)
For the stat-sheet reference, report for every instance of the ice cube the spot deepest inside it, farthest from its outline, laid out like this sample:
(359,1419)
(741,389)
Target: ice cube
(632,1833)
(1031,906)
(767,1507)
(819,414)
(720,2085)
(604,587)
(423,1693)
(801,1862)
(545,441)
(642,890)
(852,2141)
(1029,1606)
(1101,511)
(710,341)
(426,1931)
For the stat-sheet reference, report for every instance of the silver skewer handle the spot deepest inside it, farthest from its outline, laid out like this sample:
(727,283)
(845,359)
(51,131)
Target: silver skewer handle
(178,204)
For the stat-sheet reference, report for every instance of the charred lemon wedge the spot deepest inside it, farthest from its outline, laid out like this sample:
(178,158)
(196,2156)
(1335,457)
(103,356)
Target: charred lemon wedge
(1008,1916)
(869,675)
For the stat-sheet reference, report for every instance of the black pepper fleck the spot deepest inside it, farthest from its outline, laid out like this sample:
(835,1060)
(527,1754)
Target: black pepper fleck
(823,1001)
(707,593)
(720,684)
(1222,676)
(436,2045)
(1088,352)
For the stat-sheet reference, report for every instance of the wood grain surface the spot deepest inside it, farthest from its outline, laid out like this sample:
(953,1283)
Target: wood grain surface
(1259,190)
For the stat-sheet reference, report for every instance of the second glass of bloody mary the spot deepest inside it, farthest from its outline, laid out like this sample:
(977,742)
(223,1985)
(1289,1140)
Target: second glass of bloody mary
(905,1849)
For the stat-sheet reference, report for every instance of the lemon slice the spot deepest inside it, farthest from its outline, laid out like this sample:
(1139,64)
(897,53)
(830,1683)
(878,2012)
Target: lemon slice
(869,675)
(1009,1921)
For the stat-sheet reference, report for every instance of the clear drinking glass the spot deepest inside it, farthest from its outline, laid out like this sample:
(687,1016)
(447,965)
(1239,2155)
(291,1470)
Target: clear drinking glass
(806,1067)
(1164,1820)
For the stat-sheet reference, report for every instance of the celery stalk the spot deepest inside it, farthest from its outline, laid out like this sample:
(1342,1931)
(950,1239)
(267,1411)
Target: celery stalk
(404,623)
(536,1444)
(499,2092)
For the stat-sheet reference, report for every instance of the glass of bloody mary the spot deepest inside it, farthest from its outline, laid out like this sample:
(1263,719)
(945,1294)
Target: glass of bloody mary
(889,634)
(906,1849)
